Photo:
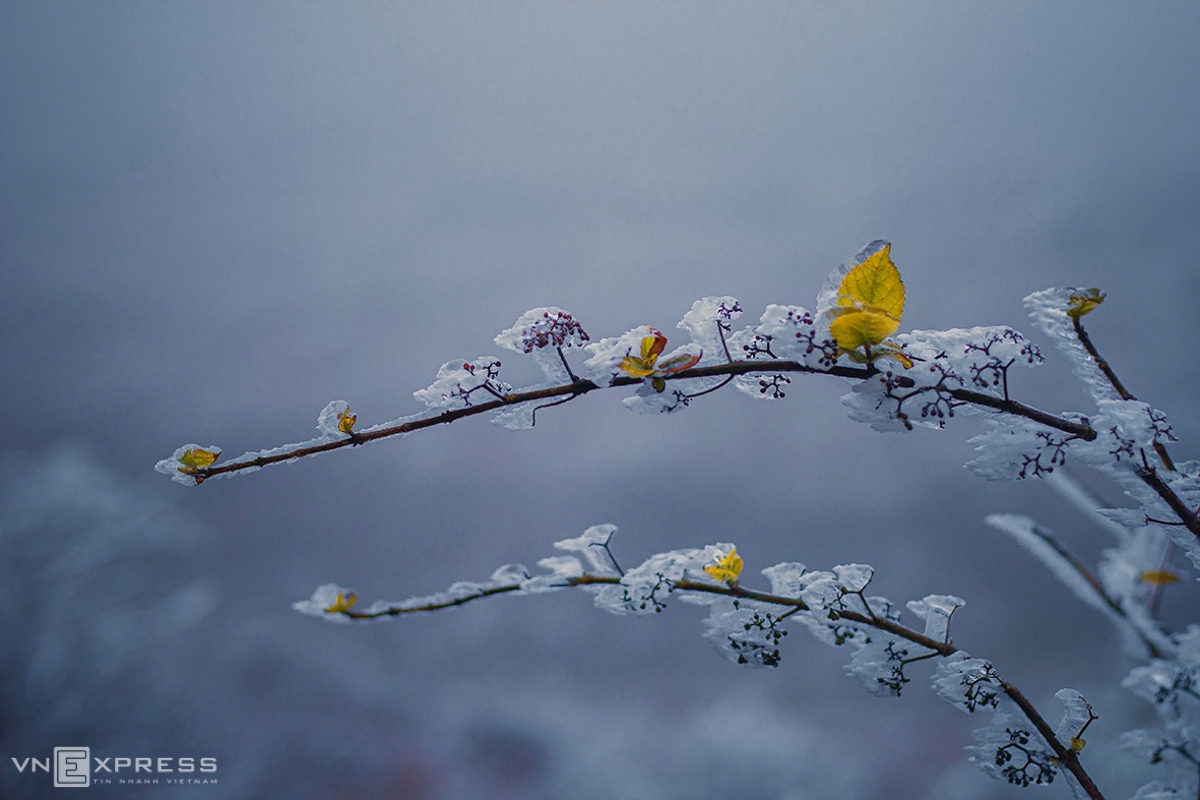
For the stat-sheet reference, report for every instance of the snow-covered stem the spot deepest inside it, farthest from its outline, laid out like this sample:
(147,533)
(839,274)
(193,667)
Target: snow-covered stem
(1067,757)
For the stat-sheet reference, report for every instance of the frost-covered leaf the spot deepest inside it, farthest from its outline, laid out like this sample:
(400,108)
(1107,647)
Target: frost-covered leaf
(936,610)
(707,322)
(560,572)
(746,632)
(1014,448)
(854,577)
(462,383)
(785,578)
(1077,715)
(880,663)
(1012,750)
(1127,430)
(877,402)
(967,683)
(788,333)
(593,546)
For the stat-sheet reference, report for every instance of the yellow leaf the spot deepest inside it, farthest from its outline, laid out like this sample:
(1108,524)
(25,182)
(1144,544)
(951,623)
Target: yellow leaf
(726,569)
(346,420)
(344,602)
(1084,302)
(874,285)
(853,328)
(638,367)
(195,458)
(1158,577)
(1077,744)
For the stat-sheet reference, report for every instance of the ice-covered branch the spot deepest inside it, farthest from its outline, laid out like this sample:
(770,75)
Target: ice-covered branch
(569,391)
(746,625)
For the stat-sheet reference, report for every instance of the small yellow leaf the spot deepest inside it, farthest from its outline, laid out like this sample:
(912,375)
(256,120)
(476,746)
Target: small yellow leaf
(195,458)
(1084,302)
(346,420)
(344,602)
(1077,744)
(1158,577)
(874,285)
(728,568)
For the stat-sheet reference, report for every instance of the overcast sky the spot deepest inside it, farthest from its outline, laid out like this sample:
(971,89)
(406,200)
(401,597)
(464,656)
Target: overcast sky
(217,217)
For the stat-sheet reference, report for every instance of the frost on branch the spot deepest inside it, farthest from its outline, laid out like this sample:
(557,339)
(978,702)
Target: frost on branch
(184,462)
(1052,313)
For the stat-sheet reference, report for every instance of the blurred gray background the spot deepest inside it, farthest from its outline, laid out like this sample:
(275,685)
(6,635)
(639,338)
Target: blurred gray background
(217,217)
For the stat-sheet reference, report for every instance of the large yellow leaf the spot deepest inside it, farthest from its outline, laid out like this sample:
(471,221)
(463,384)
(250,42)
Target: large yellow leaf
(857,328)
(874,285)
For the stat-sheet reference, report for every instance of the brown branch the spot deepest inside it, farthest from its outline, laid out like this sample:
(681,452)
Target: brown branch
(1080,429)
(579,387)
(1067,757)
